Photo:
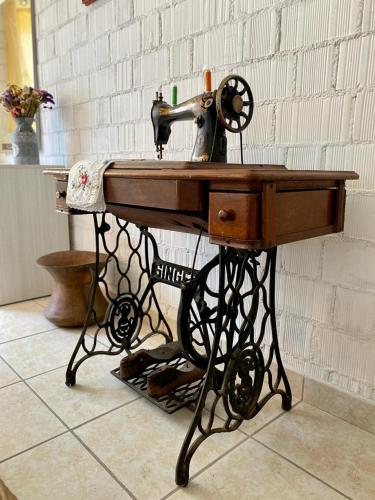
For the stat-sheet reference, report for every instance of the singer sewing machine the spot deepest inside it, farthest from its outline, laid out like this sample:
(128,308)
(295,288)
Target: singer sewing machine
(226,324)
(213,112)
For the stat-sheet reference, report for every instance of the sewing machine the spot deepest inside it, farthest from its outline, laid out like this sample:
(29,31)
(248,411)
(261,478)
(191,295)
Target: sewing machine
(228,304)
(230,107)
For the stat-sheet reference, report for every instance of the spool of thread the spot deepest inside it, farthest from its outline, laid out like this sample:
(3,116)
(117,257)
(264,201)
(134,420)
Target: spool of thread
(208,81)
(174,95)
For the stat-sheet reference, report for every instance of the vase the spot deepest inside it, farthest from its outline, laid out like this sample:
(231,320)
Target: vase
(25,142)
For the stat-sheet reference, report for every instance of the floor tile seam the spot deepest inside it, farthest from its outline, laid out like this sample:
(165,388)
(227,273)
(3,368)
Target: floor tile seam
(28,336)
(102,464)
(69,431)
(73,434)
(242,431)
(309,473)
(266,424)
(224,420)
(45,372)
(10,384)
(36,374)
(92,336)
(25,301)
(78,426)
(10,366)
(41,298)
(208,466)
(60,418)
(25,381)
(37,395)
(339,418)
(34,446)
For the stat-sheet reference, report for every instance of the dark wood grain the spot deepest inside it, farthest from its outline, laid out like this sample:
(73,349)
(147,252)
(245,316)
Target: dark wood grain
(245,206)
(161,219)
(155,193)
(268,214)
(216,171)
(243,222)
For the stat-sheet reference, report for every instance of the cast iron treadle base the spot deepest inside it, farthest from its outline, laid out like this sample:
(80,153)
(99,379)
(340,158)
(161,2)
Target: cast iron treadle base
(184,395)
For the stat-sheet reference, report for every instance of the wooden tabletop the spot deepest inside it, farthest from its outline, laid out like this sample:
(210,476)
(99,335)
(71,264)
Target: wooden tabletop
(153,169)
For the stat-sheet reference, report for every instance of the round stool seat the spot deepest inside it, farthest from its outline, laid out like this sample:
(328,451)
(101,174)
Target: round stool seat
(72,271)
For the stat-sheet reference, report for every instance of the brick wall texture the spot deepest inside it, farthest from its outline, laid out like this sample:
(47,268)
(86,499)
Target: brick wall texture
(3,77)
(311,67)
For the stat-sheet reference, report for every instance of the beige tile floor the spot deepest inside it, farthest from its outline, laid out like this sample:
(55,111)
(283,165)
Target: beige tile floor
(99,440)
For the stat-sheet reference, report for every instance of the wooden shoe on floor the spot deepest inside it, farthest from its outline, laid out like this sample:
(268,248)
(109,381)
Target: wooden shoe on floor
(134,364)
(167,378)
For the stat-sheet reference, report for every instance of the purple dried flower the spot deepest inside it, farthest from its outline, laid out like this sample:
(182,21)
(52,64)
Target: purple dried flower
(26,101)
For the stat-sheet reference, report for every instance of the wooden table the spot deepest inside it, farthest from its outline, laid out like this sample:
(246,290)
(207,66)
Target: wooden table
(226,320)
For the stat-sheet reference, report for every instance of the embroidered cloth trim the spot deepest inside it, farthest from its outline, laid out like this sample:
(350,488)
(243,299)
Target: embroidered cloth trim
(85,185)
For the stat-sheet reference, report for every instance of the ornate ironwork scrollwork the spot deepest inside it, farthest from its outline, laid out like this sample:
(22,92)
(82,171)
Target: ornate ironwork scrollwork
(243,381)
(240,341)
(123,317)
(226,325)
(127,282)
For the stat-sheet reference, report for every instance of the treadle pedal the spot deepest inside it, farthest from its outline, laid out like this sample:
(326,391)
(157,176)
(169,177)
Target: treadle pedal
(134,364)
(167,379)
(184,395)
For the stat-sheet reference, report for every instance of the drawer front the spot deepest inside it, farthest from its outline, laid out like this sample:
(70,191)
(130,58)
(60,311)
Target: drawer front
(168,194)
(234,216)
(165,194)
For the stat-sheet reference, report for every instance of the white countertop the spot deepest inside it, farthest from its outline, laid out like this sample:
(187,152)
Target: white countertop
(11,165)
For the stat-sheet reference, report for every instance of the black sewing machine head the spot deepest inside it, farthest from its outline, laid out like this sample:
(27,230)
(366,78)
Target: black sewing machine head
(230,107)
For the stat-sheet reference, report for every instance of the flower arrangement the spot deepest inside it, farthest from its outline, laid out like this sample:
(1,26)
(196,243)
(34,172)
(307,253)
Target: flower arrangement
(25,102)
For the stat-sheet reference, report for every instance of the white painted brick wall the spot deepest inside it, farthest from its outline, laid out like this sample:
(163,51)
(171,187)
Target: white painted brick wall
(271,78)
(316,70)
(3,77)
(310,64)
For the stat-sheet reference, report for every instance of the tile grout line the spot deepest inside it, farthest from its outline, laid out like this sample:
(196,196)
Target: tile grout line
(70,431)
(208,466)
(9,366)
(34,446)
(44,373)
(105,467)
(27,336)
(10,384)
(74,428)
(272,420)
(338,418)
(300,467)
(248,436)
(41,373)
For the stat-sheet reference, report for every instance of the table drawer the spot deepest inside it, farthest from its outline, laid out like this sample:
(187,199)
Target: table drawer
(167,194)
(235,215)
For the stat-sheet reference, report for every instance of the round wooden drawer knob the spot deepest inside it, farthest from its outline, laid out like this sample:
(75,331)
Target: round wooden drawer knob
(60,194)
(225,215)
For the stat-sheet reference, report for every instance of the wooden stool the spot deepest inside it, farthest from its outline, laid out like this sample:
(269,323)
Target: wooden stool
(72,271)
